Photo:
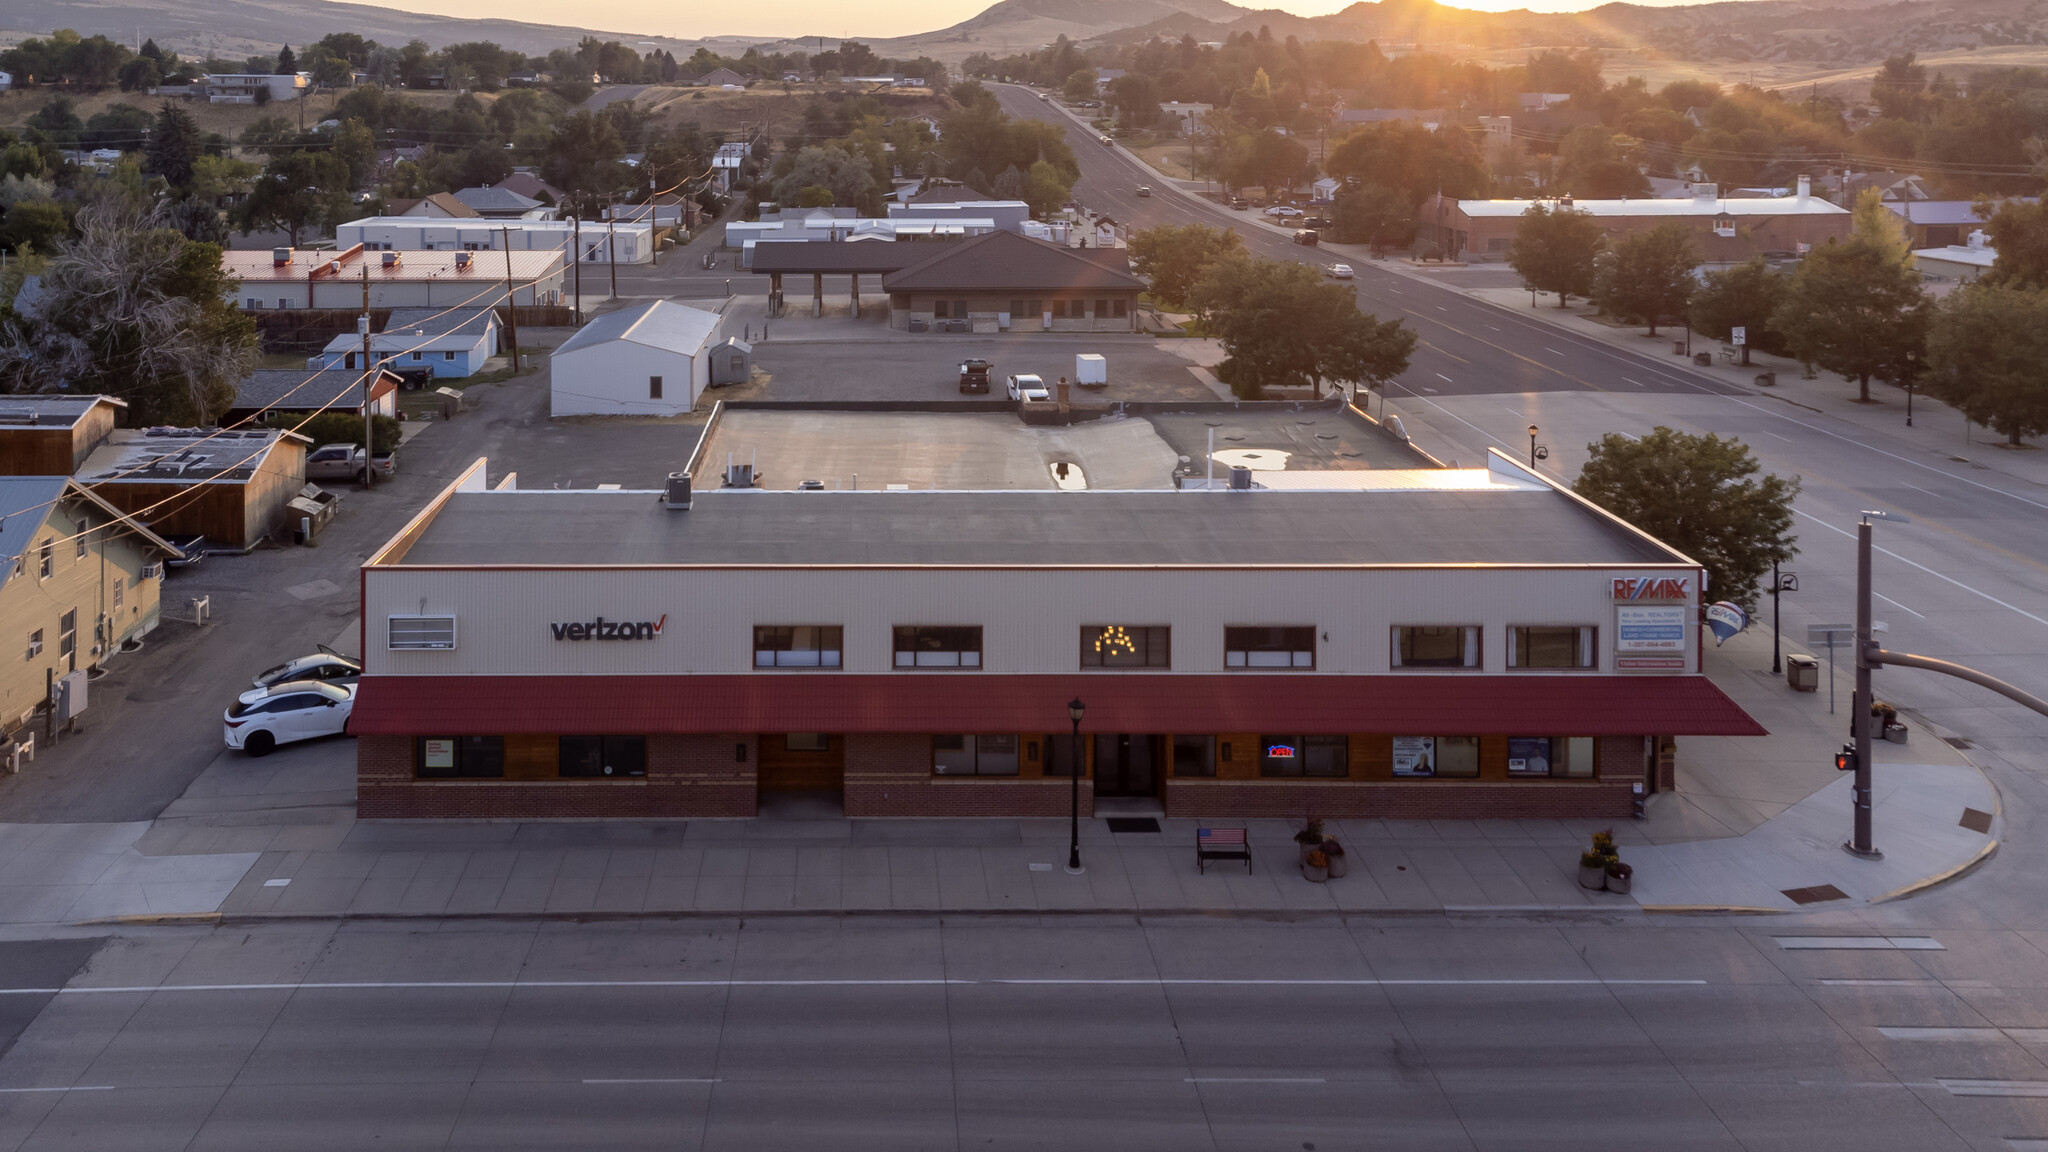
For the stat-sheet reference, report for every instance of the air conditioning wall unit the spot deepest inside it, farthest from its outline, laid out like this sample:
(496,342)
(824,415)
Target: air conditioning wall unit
(153,571)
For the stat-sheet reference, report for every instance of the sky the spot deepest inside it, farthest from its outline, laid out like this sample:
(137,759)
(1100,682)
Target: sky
(868,18)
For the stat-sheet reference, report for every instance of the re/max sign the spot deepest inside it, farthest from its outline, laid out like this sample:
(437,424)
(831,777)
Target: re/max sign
(1652,587)
(603,629)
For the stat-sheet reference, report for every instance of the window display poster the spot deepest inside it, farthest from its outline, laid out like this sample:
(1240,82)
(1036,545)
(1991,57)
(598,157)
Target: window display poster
(1528,755)
(1650,628)
(1414,755)
(438,753)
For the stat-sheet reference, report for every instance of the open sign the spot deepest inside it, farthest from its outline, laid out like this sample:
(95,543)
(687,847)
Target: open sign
(1279,751)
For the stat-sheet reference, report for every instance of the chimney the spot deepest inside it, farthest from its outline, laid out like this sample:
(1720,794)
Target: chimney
(279,257)
(1805,187)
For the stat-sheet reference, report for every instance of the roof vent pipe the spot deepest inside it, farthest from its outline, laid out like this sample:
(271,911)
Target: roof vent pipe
(1805,187)
(676,497)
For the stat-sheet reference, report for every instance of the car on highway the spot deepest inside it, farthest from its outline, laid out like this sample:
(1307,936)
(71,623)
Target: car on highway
(325,666)
(293,710)
(1338,271)
(1308,236)
(1107,142)
(1144,189)
(1029,389)
(1044,97)
(1284,211)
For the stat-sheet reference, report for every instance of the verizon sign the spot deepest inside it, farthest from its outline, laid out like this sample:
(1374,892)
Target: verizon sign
(603,629)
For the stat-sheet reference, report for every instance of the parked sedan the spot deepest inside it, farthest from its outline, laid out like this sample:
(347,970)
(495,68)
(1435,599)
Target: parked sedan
(293,710)
(1339,271)
(1284,211)
(325,666)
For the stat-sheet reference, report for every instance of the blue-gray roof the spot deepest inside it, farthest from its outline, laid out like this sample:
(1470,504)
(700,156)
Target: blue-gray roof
(497,200)
(441,321)
(297,390)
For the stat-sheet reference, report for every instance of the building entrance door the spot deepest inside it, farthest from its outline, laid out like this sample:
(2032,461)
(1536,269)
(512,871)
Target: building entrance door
(801,762)
(1126,764)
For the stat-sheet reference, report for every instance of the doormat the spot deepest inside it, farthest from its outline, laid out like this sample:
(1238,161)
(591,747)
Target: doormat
(1133,824)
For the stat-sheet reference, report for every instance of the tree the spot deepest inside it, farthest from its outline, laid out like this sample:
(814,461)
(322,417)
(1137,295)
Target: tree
(848,177)
(1411,159)
(1556,250)
(1280,324)
(1175,258)
(1647,277)
(32,225)
(1135,96)
(174,145)
(583,154)
(287,64)
(2019,232)
(298,192)
(1009,184)
(354,146)
(1741,297)
(1376,215)
(1855,307)
(1987,354)
(1080,86)
(1046,188)
(1269,160)
(813,196)
(340,428)
(1700,495)
(133,309)
(139,74)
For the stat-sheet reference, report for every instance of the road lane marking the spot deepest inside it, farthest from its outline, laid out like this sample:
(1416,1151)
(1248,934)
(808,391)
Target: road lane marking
(914,982)
(677,1080)
(1861,943)
(1894,603)
(1444,378)
(1552,351)
(1929,571)
(1994,1087)
(73,1088)
(1637,383)
(1255,1080)
(1942,1034)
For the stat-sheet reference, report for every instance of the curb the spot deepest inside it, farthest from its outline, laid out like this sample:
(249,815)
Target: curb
(1711,909)
(1921,885)
(1288,915)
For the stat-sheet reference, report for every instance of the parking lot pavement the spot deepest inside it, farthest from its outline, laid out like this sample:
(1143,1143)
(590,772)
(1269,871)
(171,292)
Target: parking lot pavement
(926,368)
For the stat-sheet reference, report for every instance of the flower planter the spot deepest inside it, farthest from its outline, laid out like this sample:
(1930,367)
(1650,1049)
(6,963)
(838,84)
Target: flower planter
(1312,873)
(1592,876)
(1620,877)
(1338,867)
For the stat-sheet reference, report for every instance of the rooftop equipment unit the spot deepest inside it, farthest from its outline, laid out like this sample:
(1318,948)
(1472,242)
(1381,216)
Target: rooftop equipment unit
(279,257)
(676,497)
(1240,478)
(391,259)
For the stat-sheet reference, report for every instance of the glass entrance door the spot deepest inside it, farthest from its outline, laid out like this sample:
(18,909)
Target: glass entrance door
(1126,764)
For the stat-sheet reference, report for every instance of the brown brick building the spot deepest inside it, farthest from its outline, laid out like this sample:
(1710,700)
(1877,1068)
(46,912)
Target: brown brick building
(1727,230)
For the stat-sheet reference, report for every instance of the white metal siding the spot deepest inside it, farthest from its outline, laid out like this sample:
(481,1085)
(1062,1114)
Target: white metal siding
(1031,619)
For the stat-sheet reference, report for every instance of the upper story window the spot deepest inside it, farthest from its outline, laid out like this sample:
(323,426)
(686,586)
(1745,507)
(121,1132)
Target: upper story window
(46,561)
(1554,646)
(1270,647)
(1126,646)
(938,646)
(1435,646)
(797,645)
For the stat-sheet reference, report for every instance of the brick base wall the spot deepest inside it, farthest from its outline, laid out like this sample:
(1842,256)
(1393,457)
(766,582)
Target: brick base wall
(686,776)
(892,776)
(1419,800)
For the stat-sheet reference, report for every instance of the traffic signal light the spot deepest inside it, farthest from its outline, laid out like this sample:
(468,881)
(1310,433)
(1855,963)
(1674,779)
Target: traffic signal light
(1845,760)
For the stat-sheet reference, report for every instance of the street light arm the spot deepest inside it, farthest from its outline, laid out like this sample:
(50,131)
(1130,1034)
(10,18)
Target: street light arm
(1982,679)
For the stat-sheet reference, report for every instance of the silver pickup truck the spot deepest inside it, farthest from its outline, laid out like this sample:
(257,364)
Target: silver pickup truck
(347,462)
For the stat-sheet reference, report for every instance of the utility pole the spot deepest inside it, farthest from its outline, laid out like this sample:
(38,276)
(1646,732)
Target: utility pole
(611,244)
(370,375)
(511,304)
(576,253)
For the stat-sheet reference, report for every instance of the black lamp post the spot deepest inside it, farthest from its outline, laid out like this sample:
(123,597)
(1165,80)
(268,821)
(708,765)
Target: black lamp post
(1074,710)
(1532,446)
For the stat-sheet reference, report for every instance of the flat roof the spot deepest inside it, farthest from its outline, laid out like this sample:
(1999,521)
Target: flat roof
(181,455)
(47,410)
(1493,525)
(255,266)
(1651,206)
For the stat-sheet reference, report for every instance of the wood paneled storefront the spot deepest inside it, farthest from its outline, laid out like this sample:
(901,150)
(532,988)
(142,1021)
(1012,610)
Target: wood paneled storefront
(801,762)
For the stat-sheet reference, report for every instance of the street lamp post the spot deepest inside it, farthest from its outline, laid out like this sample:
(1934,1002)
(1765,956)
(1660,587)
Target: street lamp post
(1780,584)
(1532,446)
(1859,843)
(1074,710)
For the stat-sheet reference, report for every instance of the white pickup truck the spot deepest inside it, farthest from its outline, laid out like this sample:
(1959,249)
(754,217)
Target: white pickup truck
(1029,389)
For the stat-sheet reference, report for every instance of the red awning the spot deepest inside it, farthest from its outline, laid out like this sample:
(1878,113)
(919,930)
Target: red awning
(1686,705)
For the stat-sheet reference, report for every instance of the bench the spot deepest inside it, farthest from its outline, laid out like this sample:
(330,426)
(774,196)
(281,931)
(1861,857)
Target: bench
(1221,844)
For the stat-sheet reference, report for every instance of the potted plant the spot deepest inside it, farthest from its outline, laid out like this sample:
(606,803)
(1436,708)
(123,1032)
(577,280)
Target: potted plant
(1334,852)
(1316,866)
(1310,837)
(1592,870)
(1619,876)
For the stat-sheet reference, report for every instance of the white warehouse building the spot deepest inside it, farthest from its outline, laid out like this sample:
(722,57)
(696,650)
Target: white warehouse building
(431,234)
(650,359)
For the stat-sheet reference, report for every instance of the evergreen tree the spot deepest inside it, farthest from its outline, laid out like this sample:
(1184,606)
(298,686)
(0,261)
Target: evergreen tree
(287,64)
(173,145)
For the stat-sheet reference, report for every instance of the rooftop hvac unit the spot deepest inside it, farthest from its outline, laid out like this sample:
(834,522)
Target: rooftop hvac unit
(462,259)
(676,497)
(391,259)
(1240,478)
(279,257)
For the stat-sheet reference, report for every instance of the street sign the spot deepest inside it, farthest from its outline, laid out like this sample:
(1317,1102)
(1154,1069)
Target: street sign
(1789,582)
(1826,633)
(1741,336)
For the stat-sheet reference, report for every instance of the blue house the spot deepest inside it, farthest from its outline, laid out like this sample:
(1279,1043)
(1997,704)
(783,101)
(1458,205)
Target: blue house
(448,342)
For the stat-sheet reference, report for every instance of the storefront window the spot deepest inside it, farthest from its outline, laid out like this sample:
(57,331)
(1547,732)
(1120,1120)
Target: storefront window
(1564,756)
(797,646)
(964,755)
(1304,755)
(1266,647)
(1436,646)
(460,756)
(1194,755)
(1450,757)
(923,646)
(602,756)
(1126,646)
(1553,646)
(1060,751)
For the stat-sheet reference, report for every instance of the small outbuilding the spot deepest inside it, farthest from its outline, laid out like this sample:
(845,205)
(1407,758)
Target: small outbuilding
(227,485)
(450,342)
(732,362)
(295,392)
(51,434)
(651,359)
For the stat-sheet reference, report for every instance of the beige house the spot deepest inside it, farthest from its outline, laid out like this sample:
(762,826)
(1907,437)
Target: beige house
(78,580)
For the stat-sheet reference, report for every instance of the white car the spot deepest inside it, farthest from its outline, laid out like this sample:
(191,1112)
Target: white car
(293,710)
(1339,271)
(327,666)
(1029,389)
(1285,211)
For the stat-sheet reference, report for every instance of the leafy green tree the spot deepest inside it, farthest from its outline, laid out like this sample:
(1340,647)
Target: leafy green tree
(33,225)
(1702,496)
(813,196)
(1280,324)
(1135,96)
(1046,188)
(1741,297)
(1987,354)
(2019,232)
(297,192)
(340,428)
(1856,308)
(1009,184)
(846,176)
(1557,249)
(583,154)
(1374,214)
(1079,86)
(174,145)
(1175,257)
(133,309)
(139,74)
(1412,159)
(1269,160)
(1646,277)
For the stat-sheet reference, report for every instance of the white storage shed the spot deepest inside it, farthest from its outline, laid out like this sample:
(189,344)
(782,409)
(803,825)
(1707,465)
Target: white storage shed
(652,359)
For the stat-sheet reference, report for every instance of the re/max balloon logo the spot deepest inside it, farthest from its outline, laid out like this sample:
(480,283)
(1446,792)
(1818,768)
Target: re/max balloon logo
(603,629)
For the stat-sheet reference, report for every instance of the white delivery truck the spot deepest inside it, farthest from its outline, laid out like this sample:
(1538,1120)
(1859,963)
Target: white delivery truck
(1091,370)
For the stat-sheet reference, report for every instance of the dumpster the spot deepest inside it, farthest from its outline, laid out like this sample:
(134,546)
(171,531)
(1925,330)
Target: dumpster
(1802,673)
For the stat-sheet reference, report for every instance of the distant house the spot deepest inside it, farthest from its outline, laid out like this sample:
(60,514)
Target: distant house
(294,278)
(1941,223)
(495,203)
(726,163)
(1542,101)
(6,81)
(448,342)
(720,78)
(1963,263)
(1430,118)
(1191,116)
(530,185)
(243,87)
(1726,229)
(292,392)
(1002,280)
(443,205)
(651,359)
(1892,187)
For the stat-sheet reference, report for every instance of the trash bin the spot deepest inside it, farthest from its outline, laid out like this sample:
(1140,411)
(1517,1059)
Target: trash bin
(1678,347)
(1703,359)
(1802,673)
(1767,379)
